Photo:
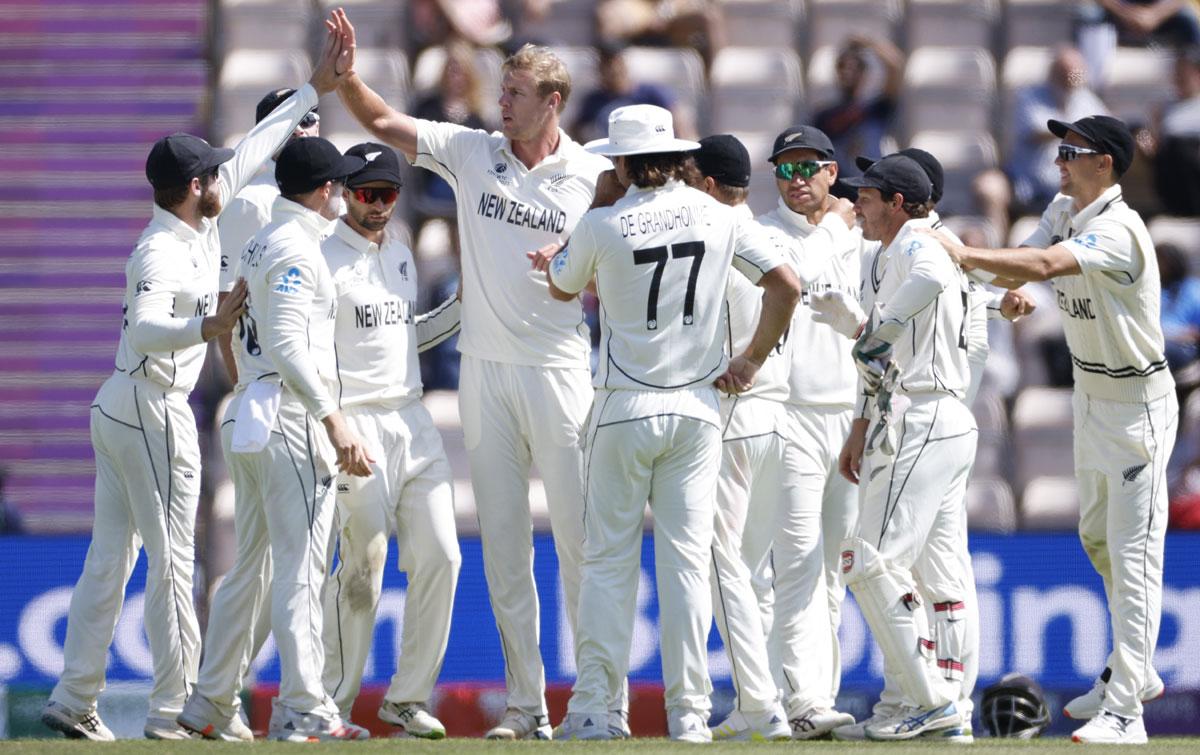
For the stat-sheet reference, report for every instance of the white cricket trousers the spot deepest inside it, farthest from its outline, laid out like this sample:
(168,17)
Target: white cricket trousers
(410,493)
(911,512)
(147,489)
(511,416)
(1121,453)
(819,515)
(648,446)
(283,510)
(754,453)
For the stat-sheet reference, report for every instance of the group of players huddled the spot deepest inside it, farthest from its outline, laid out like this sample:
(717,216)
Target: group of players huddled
(789,393)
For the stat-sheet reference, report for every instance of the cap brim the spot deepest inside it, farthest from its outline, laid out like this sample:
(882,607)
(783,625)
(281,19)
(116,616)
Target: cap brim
(606,148)
(863,182)
(219,156)
(863,163)
(1060,129)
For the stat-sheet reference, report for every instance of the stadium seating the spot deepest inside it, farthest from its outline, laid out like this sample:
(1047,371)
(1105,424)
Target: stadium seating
(1050,503)
(749,87)
(763,23)
(949,87)
(963,154)
(951,22)
(1042,434)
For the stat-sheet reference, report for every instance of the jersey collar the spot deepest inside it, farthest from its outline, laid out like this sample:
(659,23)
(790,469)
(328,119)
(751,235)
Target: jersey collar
(356,240)
(172,223)
(285,210)
(562,153)
(793,218)
(1101,203)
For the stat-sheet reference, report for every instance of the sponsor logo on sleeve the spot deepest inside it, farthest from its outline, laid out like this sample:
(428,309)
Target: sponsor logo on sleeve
(559,263)
(289,282)
(143,286)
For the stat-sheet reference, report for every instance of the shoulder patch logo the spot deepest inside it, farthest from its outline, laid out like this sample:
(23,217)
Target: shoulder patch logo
(142,287)
(500,167)
(1132,473)
(289,282)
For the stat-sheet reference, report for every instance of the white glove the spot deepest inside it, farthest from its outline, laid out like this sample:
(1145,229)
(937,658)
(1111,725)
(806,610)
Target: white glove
(839,311)
(873,350)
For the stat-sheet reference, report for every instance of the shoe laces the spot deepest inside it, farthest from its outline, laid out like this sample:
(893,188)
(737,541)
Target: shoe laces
(90,721)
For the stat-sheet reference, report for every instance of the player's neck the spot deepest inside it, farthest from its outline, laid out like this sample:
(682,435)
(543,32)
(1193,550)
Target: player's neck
(1085,195)
(532,151)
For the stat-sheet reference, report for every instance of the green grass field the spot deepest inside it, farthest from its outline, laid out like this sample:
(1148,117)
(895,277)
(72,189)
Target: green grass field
(640,746)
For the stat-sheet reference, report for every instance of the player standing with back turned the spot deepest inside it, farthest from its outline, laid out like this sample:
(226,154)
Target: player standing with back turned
(1098,253)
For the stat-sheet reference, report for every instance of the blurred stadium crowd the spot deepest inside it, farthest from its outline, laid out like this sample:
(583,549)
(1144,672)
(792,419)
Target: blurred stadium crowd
(972,81)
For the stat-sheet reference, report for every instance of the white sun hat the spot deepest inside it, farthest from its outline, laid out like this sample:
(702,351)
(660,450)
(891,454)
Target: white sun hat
(640,130)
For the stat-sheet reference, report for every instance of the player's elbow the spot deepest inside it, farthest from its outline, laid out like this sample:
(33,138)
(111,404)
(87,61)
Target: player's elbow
(783,285)
(558,294)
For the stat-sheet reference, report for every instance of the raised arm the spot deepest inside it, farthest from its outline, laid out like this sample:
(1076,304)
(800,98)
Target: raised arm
(384,122)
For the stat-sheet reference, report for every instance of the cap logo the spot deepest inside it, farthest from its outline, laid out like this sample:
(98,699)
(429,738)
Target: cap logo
(370,156)
(793,137)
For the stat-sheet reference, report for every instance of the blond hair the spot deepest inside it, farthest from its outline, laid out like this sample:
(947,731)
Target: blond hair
(549,73)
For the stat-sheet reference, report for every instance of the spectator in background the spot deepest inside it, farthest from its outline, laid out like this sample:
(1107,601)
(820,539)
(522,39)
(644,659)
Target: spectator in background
(1180,307)
(857,123)
(1032,178)
(617,89)
(1140,22)
(457,100)
(698,24)
(1174,144)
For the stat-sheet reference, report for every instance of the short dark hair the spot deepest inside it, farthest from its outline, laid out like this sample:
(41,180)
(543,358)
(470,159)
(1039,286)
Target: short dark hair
(172,196)
(652,170)
(916,210)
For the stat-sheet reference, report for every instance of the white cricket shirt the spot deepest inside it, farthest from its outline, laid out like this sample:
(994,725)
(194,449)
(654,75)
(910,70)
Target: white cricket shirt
(830,253)
(1111,311)
(662,258)
(377,334)
(286,333)
(246,215)
(504,211)
(932,350)
(171,278)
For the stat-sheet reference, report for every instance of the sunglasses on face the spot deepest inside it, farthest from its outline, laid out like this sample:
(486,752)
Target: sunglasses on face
(310,119)
(802,168)
(372,195)
(1069,152)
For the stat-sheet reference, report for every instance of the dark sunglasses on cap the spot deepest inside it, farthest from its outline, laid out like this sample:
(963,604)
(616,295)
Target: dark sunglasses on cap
(1069,152)
(387,195)
(803,168)
(310,119)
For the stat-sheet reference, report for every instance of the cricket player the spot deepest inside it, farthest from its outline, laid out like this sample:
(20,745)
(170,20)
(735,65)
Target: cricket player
(377,337)
(525,382)
(761,489)
(282,436)
(661,257)
(144,433)
(250,211)
(914,374)
(1096,250)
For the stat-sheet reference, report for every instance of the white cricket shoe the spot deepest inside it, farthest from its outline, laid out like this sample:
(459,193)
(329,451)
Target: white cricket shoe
(815,723)
(202,718)
(1087,705)
(911,722)
(618,724)
(1111,729)
(76,724)
(236,730)
(165,728)
(583,726)
(414,718)
(857,732)
(294,726)
(762,726)
(518,725)
(686,725)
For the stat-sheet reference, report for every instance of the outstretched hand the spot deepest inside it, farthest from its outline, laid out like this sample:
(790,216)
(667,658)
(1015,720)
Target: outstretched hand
(336,62)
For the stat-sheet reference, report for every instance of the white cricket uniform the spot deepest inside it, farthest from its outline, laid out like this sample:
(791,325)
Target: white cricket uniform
(1126,417)
(377,337)
(763,497)
(524,387)
(911,503)
(823,508)
(661,259)
(246,215)
(147,451)
(284,492)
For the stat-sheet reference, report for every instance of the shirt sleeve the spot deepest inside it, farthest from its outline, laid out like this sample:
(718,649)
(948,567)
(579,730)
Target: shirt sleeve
(1043,235)
(929,273)
(438,324)
(264,140)
(291,286)
(811,255)
(153,326)
(444,147)
(1106,246)
(754,251)
(575,263)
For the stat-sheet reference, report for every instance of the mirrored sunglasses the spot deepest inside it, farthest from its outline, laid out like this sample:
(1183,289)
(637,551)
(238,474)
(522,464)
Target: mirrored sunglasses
(803,168)
(1069,152)
(371,195)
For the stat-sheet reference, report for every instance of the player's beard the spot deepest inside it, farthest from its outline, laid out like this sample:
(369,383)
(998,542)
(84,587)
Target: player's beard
(210,201)
(369,221)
